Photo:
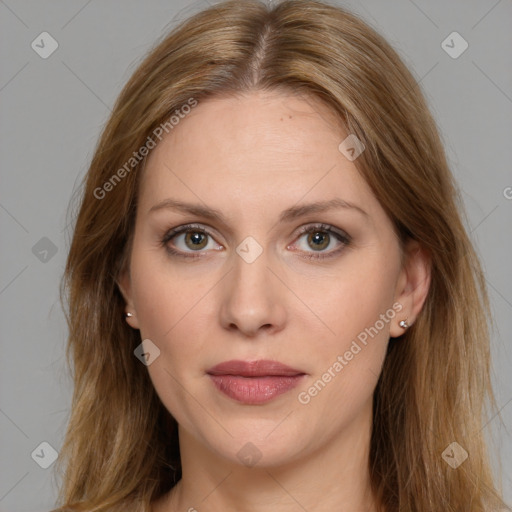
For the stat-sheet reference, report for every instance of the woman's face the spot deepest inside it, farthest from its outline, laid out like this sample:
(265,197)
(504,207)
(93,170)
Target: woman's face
(245,282)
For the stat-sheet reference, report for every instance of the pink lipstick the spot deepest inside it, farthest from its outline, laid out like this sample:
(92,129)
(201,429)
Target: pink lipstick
(254,382)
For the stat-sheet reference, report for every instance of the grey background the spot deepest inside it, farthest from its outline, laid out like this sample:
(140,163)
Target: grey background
(51,113)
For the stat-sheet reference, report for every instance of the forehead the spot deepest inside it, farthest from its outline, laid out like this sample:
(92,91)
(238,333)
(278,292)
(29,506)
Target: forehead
(251,151)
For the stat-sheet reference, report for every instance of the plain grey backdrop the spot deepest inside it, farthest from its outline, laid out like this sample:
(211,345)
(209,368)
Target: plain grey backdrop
(54,101)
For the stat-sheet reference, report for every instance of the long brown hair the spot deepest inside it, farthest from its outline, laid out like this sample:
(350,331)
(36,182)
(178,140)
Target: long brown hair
(121,447)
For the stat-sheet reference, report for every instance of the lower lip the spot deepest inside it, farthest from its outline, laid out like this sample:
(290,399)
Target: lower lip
(254,390)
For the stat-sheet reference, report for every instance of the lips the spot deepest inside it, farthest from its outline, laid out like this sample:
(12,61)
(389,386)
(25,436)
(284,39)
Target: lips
(261,368)
(254,382)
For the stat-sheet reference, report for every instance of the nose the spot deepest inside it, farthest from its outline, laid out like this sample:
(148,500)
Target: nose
(253,298)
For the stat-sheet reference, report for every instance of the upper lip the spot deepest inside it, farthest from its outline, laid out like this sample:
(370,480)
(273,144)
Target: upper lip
(261,368)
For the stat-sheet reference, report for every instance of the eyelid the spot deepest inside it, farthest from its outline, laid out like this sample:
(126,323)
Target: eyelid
(324,227)
(342,237)
(186,227)
(179,230)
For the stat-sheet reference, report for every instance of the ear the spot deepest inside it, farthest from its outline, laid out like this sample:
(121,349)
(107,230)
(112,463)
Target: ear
(124,284)
(412,285)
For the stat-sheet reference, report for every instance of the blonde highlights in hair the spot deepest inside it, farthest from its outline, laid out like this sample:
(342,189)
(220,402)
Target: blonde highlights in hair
(121,447)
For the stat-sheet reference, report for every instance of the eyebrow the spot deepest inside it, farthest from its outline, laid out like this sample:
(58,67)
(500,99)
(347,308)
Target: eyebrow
(287,215)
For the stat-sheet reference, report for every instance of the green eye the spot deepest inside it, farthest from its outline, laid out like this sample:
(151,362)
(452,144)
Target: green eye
(320,237)
(318,240)
(188,241)
(196,240)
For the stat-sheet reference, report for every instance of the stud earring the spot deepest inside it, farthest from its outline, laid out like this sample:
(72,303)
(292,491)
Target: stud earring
(403,324)
(128,314)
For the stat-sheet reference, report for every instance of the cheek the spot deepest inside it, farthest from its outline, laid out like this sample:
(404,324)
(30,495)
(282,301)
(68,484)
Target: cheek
(357,308)
(165,296)
(348,365)
(352,299)
(174,313)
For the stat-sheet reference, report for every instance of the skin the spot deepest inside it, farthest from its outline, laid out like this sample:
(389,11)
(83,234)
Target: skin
(251,157)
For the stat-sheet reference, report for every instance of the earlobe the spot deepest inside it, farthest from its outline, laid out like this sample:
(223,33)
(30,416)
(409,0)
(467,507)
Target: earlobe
(412,286)
(131,320)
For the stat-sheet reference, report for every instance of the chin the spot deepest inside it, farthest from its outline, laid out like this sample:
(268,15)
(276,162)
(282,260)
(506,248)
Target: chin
(261,445)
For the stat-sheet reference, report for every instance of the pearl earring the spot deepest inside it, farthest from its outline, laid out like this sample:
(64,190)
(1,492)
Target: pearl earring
(128,314)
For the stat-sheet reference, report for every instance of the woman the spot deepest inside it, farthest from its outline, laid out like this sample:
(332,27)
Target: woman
(273,302)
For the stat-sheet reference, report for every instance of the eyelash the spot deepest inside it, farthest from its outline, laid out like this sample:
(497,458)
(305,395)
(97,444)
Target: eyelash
(324,228)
